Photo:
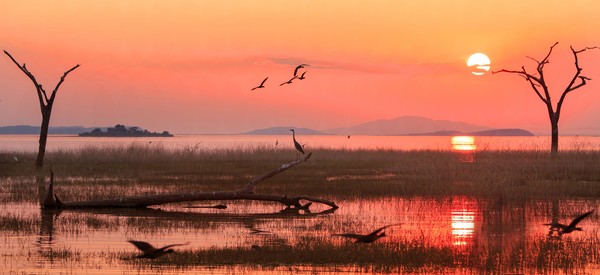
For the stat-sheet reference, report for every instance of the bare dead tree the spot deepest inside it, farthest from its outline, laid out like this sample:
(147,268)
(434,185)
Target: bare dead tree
(45,107)
(51,200)
(537,81)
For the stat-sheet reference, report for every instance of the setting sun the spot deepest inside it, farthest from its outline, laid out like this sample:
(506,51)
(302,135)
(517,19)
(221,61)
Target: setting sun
(463,143)
(479,62)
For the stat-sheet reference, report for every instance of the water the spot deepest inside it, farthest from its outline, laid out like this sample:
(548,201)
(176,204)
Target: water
(29,143)
(452,234)
(477,234)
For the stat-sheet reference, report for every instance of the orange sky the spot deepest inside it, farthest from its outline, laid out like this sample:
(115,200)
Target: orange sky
(188,66)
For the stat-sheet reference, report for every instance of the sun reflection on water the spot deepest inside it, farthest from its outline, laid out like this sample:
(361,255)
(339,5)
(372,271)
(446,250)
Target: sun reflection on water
(463,221)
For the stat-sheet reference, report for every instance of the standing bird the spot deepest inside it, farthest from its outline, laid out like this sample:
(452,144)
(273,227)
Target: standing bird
(262,84)
(297,145)
(151,252)
(369,238)
(564,229)
(299,67)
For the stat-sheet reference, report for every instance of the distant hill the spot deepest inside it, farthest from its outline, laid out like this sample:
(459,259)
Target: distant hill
(284,131)
(504,132)
(34,130)
(402,126)
(407,125)
(495,132)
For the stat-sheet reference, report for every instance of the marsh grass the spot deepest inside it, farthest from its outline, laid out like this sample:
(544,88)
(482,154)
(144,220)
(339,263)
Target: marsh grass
(17,224)
(376,257)
(542,255)
(101,172)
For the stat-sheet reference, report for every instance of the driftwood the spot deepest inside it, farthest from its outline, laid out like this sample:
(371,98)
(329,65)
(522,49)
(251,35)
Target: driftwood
(52,201)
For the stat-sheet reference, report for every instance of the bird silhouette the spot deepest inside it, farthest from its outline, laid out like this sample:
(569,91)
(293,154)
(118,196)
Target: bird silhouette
(296,144)
(301,66)
(302,76)
(289,81)
(369,238)
(565,229)
(262,84)
(151,252)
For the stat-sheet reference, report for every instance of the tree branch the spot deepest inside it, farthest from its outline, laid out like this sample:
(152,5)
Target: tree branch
(61,81)
(545,61)
(250,185)
(40,91)
(530,78)
(572,86)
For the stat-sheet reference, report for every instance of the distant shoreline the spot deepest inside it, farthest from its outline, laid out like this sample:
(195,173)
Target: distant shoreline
(122,131)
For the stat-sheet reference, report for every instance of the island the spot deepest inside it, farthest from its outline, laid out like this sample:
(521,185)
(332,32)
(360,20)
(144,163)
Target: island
(122,131)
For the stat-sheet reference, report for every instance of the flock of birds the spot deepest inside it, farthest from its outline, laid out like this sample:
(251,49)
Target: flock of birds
(151,252)
(296,76)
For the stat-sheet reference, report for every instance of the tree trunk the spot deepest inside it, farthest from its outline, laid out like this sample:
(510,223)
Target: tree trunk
(39,162)
(554,142)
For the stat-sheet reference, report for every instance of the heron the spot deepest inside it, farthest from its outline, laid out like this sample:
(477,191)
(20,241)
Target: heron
(262,84)
(151,252)
(369,238)
(296,144)
(565,229)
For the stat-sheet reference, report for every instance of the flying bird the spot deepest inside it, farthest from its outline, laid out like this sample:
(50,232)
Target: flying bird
(151,252)
(262,84)
(289,81)
(302,76)
(299,67)
(296,144)
(369,238)
(564,229)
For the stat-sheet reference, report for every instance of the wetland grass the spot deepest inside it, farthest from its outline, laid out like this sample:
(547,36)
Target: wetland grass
(106,172)
(18,224)
(542,255)
(379,257)
(101,172)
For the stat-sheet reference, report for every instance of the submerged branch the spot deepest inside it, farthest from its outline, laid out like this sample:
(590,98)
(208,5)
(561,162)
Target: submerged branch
(293,202)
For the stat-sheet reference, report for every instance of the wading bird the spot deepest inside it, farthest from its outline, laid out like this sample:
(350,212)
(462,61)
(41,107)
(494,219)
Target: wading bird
(151,252)
(297,145)
(369,238)
(262,84)
(565,229)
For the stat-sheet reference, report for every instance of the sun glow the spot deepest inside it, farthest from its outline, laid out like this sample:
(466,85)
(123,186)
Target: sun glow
(479,62)
(463,143)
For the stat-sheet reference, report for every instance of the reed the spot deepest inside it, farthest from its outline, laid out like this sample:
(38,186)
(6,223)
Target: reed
(376,257)
(100,172)
(17,224)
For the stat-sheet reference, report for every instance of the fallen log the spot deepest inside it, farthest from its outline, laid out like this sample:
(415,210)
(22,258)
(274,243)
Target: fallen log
(52,201)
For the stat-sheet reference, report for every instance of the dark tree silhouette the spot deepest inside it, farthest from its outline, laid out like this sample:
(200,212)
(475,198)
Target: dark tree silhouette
(45,107)
(537,81)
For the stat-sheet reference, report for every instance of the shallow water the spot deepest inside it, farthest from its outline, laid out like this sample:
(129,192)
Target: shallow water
(29,143)
(481,235)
